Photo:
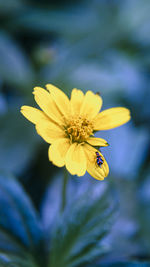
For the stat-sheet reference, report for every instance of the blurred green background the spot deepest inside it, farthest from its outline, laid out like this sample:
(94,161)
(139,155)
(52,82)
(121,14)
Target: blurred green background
(99,45)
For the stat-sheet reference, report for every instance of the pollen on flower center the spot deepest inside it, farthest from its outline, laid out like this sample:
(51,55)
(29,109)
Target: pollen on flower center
(79,129)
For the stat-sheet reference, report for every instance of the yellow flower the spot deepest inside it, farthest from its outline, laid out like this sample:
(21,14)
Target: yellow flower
(68,125)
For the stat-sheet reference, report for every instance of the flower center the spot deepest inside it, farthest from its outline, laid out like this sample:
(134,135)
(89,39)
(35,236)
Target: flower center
(79,129)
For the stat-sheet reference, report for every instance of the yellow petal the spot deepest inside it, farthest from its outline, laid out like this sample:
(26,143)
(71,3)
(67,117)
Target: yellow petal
(33,114)
(111,118)
(57,151)
(97,141)
(46,103)
(61,100)
(76,100)
(49,131)
(91,105)
(97,172)
(76,160)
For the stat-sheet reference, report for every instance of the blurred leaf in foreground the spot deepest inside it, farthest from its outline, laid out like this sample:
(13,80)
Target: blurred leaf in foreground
(78,234)
(20,232)
(14,261)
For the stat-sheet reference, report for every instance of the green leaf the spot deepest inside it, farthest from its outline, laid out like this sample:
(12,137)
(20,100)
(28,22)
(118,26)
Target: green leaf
(20,231)
(16,261)
(78,235)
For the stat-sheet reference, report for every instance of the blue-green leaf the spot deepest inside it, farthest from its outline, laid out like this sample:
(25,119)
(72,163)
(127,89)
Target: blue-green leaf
(20,230)
(79,232)
(16,261)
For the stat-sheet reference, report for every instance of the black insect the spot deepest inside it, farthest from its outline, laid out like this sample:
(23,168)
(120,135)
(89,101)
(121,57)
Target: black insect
(99,159)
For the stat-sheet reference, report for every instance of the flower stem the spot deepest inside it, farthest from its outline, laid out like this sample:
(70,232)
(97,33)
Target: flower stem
(64,190)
